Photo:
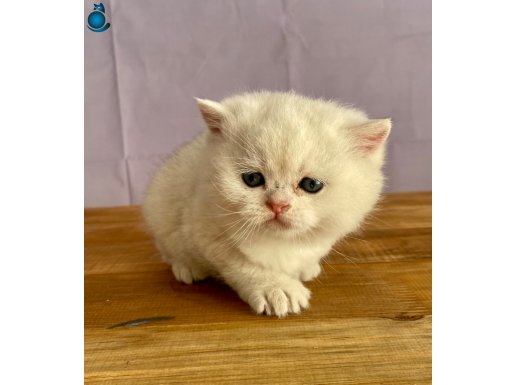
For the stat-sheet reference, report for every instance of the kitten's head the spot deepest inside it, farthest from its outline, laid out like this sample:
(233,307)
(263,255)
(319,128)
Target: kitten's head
(288,166)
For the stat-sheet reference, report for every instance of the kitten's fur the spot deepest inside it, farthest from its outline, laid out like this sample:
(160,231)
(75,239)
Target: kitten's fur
(207,222)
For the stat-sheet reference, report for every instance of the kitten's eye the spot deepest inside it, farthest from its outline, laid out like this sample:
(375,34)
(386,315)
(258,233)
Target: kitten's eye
(311,185)
(253,179)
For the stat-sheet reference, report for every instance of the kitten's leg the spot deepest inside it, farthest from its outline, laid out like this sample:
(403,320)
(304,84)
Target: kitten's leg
(266,291)
(310,272)
(185,268)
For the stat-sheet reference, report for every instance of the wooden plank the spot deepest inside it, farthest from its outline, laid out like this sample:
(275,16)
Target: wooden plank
(369,320)
(345,290)
(268,351)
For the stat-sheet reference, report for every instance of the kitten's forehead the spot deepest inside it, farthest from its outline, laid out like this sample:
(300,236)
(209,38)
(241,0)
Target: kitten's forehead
(288,107)
(288,133)
(281,148)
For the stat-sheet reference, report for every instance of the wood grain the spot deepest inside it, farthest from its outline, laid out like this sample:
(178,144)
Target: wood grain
(369,320)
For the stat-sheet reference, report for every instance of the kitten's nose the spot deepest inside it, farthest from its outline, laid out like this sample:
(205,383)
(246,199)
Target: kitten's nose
(278,207)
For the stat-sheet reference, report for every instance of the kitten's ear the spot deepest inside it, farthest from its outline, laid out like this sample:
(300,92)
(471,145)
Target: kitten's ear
(371,136)
(212,113)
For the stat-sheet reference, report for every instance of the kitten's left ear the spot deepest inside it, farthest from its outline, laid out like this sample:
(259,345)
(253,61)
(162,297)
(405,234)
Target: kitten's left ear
(212,113)
(371,136)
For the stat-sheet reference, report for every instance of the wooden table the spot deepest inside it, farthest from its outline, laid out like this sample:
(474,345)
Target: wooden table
(369,320)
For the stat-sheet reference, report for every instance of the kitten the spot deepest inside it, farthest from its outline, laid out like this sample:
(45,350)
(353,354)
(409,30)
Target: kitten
(259,197)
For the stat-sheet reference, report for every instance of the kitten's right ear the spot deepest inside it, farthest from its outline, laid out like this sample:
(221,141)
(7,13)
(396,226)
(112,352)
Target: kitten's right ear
(213,114)
(371,136)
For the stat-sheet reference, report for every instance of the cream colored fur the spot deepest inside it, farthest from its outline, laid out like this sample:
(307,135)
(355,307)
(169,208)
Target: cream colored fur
(207,222)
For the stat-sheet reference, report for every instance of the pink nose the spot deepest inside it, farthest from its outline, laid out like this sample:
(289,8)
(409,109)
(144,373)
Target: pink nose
(278,207)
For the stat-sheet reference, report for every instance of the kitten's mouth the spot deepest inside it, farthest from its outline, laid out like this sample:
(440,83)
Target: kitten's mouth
(279,223)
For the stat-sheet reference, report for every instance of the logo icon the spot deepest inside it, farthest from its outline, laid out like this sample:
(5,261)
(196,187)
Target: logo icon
(97,19)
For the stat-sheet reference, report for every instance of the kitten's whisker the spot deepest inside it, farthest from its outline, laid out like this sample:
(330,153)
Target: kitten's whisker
(344,256)
(222,215)
(355,238)
(251,228)
(239,233)
(233,224)
(225,214)
(319,281)
(242,233)
(249,233)
(223,208)
(331,266)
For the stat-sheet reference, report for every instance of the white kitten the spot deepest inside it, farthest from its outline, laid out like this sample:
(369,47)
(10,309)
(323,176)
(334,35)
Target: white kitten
(262,195)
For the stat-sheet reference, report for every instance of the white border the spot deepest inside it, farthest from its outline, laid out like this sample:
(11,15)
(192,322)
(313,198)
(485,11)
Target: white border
(474,180)
(41,160)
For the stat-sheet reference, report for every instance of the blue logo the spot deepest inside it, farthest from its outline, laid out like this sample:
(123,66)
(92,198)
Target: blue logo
(97,19)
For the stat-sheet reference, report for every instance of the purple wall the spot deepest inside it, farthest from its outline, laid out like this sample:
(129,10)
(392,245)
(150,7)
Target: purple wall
(142,73)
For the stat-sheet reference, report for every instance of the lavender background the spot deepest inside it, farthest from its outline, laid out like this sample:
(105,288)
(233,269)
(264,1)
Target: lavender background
(142,73)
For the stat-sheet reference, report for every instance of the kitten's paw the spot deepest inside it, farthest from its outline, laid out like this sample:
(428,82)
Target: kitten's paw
(310,272)
(279,300)
(188,274)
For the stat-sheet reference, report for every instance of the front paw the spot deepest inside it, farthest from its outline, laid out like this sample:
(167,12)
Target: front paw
(280,299)
(310,272)
(188,273)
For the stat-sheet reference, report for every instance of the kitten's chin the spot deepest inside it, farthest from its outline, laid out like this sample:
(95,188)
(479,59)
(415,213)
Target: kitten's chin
(279,224)
(282,227)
